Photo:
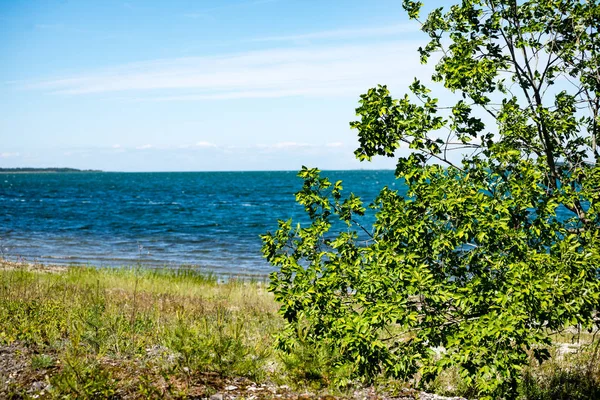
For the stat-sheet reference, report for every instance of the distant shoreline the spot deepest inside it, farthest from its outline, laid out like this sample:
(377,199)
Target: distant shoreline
(60,170)
(44,170)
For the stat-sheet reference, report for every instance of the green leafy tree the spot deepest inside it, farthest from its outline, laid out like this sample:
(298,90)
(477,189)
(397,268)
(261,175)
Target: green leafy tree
(495,245)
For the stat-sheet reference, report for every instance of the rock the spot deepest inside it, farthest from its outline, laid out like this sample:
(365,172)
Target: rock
(272,389)
(230,387)
(162,354)
(216,396)
(429,396)
(38,386)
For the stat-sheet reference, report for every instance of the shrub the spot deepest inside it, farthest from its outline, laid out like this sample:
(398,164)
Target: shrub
(488,252)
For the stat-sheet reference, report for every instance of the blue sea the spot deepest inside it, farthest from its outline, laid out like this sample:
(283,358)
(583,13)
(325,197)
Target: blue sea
(210,220)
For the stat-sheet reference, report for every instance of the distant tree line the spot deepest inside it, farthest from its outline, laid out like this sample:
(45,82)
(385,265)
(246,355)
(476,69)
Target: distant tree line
(28,169)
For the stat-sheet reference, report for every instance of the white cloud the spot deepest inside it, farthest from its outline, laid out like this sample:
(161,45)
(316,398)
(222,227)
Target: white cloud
(335,144)
(205,144)
(206,12)
(169,147)
(288,145)
(8,155)
(298,71)
(392,30)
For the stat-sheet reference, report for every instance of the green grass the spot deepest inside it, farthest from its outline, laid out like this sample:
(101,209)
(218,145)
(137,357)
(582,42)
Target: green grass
(138,333)
(117,332)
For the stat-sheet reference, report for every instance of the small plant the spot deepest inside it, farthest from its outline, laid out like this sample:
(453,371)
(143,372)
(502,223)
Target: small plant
(84,379)
(41,362)
(147,388)
(317,367)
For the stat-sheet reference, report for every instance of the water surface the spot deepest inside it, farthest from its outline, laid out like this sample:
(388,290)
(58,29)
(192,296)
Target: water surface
(208,219)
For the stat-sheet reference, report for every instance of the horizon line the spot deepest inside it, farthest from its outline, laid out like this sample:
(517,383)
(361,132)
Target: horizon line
(90,170)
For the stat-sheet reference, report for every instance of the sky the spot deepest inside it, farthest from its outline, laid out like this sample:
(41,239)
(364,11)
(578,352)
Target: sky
(196,85)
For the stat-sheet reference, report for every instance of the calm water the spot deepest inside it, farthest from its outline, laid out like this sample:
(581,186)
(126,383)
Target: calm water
(209,219)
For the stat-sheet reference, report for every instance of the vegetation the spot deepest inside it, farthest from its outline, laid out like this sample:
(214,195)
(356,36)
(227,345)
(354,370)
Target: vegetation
(101,333)
(127,333)
(494,248)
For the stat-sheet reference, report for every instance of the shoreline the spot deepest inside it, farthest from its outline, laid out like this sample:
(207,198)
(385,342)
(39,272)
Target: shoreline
(7,265)
(36,266)
(26,170)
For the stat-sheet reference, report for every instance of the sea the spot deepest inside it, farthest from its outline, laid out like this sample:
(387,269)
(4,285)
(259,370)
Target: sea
(206,220)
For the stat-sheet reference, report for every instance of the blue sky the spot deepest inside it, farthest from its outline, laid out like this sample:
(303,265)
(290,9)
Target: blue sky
(195,85)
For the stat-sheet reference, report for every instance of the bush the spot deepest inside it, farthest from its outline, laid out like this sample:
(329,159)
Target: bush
(484,257)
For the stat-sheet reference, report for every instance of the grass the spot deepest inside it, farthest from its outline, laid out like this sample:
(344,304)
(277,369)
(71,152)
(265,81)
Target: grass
(571,373)
(126,332)
(138,333)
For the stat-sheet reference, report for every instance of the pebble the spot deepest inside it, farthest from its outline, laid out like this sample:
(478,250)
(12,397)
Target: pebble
(38,386)
(430,396)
